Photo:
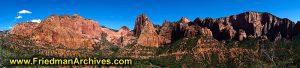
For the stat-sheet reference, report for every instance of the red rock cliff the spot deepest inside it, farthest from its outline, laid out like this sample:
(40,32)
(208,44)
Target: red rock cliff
(148,35)
(70,31)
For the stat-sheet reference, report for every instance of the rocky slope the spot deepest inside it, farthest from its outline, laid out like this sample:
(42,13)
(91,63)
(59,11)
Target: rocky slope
(297,28)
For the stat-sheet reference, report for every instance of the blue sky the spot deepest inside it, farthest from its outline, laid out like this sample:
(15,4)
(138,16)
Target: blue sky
(117,13)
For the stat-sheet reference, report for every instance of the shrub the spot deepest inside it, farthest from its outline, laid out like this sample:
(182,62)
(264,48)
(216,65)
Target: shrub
(191,43)
(114,48)
(7,53)
(103,38)
(247,43)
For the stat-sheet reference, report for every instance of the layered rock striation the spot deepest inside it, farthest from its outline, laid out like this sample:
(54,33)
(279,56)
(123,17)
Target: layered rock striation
(69,31)
(235,27)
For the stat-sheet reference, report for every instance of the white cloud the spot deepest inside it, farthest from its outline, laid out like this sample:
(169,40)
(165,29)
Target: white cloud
(19,17)
(24,12)
(6,28)
(36,20)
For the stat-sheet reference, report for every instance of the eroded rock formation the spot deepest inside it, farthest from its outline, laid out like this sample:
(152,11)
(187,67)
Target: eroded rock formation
(75,31)
(70,31)
(139,24)
(148,35)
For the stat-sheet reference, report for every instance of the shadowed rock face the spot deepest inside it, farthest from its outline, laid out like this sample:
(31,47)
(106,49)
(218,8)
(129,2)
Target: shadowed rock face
(254,24)
(297,28)
(199,21)
(139,24)
(70,31)
(260,24)
(236,27)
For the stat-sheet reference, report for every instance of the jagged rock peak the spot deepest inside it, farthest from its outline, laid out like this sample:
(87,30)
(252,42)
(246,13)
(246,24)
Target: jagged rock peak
(184,20)
(197,20)
(75,14)
(166,23)
(125,27)
(140,22)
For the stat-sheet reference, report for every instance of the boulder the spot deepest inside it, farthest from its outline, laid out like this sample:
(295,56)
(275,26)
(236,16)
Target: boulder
(242,35)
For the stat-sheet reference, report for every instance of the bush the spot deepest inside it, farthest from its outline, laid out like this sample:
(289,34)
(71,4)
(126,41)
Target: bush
(248,43)
(114,48)
(103,38)
(230,43)
(191,43)
(7,53)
